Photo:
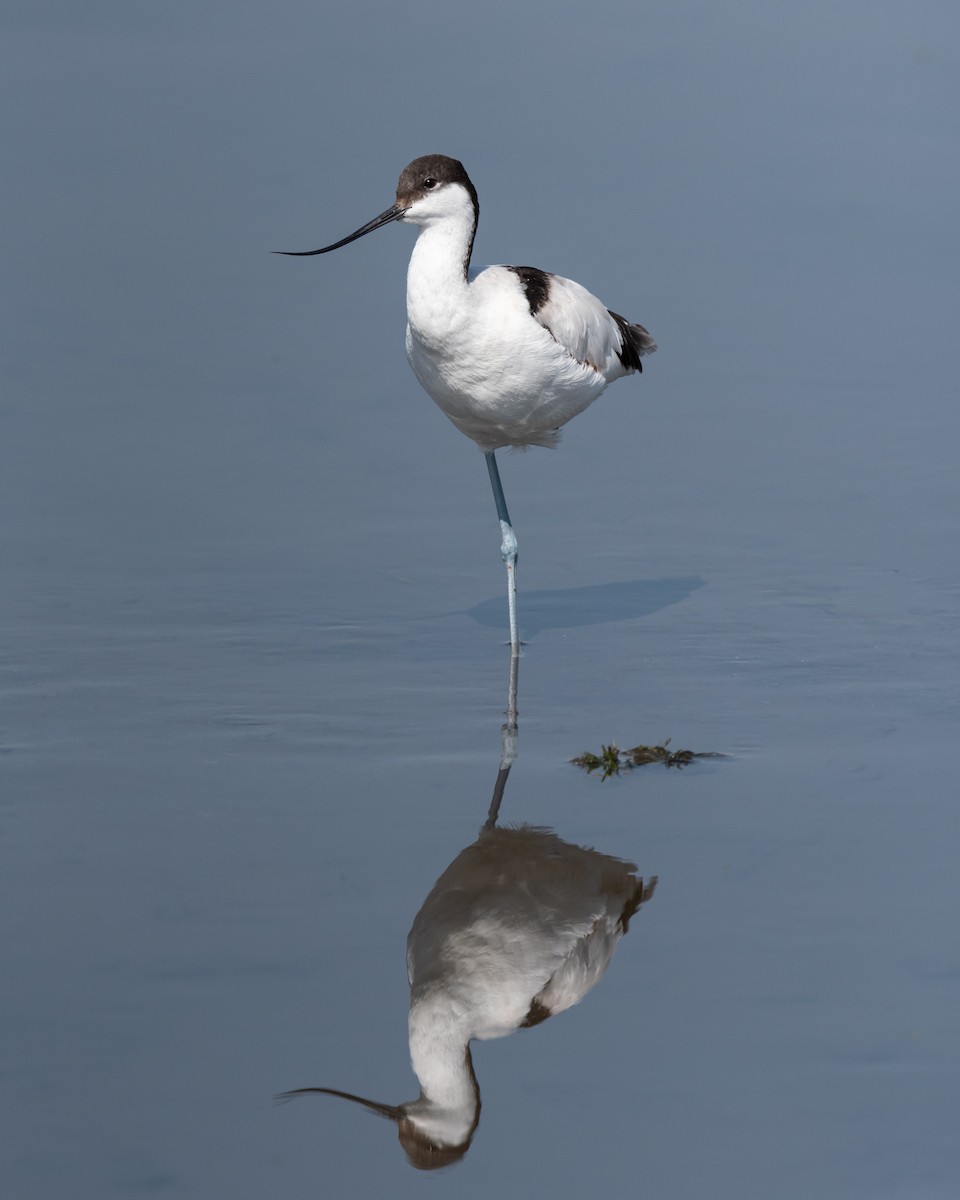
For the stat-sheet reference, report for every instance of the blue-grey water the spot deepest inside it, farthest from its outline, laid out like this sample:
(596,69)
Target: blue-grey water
(251,616)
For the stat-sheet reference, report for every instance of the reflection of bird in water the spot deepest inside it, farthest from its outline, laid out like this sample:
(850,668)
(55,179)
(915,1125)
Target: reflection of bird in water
(520,926)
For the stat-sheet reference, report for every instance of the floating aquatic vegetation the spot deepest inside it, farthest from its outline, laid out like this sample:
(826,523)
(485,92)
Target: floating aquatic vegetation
(613,761)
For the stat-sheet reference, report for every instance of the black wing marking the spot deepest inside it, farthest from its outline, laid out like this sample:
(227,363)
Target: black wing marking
(536,285)
(634,341)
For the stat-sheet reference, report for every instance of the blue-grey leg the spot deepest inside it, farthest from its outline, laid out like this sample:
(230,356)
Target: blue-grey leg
(508,549)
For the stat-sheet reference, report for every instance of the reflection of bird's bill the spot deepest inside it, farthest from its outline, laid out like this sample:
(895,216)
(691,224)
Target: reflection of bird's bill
(392,1111)
(424,1150)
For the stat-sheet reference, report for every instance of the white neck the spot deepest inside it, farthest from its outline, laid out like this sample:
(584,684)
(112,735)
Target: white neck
(440,1055)
(437,275)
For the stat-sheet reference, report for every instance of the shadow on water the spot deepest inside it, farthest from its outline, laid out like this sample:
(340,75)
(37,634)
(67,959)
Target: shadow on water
(520,926)
(599,604)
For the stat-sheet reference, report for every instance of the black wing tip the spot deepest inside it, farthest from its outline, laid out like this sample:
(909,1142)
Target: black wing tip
(635,340)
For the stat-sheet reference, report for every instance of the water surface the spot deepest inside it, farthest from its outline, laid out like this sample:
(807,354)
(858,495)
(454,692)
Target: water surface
(253,664)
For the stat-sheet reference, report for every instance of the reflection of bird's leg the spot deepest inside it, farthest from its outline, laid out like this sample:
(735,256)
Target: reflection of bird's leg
(512,713)
(509,735)
(508,549)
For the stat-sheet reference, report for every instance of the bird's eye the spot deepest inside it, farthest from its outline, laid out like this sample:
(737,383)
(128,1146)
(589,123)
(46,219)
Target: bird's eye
(430,183)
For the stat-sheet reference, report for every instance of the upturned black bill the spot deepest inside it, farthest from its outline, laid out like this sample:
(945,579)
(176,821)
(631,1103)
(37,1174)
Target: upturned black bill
(394,213)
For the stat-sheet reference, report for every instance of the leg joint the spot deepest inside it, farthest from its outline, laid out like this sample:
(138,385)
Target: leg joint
(508,547)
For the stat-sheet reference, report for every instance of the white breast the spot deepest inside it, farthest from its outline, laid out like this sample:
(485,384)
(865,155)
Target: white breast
(498,372)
